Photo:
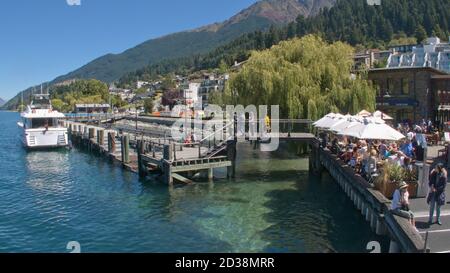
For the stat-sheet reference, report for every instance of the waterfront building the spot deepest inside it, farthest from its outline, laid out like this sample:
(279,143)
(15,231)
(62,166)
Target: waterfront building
(415,82)
(411,94)
(91,108)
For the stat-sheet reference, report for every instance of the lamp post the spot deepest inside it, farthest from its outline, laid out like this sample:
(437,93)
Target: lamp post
(136,119)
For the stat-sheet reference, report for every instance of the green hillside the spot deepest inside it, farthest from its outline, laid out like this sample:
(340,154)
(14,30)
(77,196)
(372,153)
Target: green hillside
(351,21)
(259,16)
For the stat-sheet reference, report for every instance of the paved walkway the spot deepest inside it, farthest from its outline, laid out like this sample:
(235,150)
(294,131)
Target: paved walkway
(438,236)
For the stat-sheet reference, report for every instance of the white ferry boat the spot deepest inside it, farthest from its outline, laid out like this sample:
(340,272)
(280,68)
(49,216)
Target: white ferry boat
(40,126)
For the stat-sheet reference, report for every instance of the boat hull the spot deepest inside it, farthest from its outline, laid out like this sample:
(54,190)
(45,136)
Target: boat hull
(45,139)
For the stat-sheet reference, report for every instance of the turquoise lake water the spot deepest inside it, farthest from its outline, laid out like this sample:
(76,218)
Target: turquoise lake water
(50,198)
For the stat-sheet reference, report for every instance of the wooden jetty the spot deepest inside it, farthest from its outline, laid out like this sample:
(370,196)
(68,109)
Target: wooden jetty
(174,160)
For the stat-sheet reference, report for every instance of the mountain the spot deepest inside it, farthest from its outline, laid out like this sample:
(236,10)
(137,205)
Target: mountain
(395,22)
(2,102)
(259,16)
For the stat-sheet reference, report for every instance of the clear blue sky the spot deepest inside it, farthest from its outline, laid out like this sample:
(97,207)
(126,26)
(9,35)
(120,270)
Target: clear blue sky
(42,39)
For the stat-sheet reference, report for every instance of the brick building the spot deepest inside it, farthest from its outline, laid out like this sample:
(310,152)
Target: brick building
(410,94)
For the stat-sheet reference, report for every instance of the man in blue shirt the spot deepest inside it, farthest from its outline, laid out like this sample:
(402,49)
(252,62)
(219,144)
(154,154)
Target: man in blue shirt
(407,148)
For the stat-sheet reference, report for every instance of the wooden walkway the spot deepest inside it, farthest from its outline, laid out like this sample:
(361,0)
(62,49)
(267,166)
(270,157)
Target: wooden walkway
(174,160)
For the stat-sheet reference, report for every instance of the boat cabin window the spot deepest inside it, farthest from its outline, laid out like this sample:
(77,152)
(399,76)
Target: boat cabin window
(41,123)
(41,101)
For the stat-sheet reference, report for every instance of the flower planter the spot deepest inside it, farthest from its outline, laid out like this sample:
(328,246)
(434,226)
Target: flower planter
(413,186)
(389,189)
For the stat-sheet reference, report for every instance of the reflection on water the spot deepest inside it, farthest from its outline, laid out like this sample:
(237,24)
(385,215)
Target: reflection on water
(50,198)
(48,171)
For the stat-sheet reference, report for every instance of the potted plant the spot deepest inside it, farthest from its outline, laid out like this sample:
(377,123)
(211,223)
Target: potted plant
(390,176)
(411,178)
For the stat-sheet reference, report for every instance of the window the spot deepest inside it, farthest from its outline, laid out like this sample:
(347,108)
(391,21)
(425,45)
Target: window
(404,115)
(405,86)
(377,87)
(390,85)
(41,123)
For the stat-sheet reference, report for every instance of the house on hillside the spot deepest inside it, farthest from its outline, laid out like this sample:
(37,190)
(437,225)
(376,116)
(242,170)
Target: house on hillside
(212,83)
(124,94)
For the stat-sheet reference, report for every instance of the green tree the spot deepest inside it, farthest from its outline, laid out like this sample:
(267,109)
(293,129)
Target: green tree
(306,77)
(141,90)
(421,34)
(148,105)
(223,67)
(168,82)
(58,105)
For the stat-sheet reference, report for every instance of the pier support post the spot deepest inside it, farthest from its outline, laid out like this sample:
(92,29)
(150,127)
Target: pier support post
(314,158)
(167,164)
(91,133)
(111,142)
(69,132)
(125,149)
(210,175)
(101,137)
(231,154)
(141,166)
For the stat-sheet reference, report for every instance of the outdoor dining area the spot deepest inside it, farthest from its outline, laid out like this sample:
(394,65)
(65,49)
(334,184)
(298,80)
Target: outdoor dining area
(374,149)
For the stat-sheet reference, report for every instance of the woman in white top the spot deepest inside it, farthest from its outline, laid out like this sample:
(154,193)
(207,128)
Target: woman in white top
(400,203)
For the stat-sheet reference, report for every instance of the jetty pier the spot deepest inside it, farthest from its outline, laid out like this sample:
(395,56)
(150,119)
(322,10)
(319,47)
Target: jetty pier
(175,162)
(156,152)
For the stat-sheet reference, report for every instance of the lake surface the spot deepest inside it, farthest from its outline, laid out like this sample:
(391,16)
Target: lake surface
(50,198)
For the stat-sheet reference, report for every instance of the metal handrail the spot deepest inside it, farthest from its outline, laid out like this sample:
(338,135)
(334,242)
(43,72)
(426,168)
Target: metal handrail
(214,133)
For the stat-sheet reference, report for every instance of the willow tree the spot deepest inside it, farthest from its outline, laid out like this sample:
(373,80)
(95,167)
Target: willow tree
(306,77)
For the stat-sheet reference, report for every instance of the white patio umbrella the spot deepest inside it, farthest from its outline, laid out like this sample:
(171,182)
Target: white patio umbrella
(328,122)
(372,129)
(373,120)
(364,113)
(350,122)
(326,119)
(379,114)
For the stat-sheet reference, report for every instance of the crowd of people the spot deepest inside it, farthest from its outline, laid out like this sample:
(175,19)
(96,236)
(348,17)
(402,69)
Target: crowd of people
(366,157)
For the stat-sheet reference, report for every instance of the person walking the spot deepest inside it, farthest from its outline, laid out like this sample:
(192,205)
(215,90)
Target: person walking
(436,196)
